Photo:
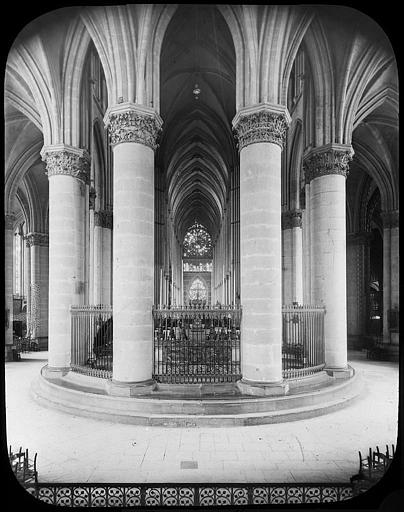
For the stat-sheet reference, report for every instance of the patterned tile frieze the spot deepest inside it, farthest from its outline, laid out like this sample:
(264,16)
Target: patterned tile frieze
(187,495)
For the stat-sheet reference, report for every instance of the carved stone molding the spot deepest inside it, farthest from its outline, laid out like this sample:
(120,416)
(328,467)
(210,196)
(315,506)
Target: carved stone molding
(390,219)
(291,219)
(329,159)
(103,219)
(9,220)
(261,123)
(133,123)
(41,239)
(66,160)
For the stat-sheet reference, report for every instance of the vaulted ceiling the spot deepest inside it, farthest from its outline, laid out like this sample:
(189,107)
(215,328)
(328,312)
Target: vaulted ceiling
(197,146)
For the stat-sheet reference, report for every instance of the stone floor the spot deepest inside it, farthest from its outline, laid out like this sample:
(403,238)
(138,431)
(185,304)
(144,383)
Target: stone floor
(75,449)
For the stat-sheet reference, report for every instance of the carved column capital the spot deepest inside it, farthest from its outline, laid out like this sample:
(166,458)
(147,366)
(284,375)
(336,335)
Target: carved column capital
(103,219)
(292,219)
(328,159)
(9,220)
(129,122)
(67,160)
(91,198)
(361,238)
(390,219)
(261,123)
(41,239)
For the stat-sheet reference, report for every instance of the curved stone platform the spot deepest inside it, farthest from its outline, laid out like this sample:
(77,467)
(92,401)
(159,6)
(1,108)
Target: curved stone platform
(86,396)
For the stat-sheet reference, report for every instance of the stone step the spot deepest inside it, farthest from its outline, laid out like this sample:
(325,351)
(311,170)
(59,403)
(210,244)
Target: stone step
(201,412)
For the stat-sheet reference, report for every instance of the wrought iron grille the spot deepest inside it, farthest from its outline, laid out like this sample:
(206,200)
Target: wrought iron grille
(91,335)
(302,340)
(196,344)
(187,495)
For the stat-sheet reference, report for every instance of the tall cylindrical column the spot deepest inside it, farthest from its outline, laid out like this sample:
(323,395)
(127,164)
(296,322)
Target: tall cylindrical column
(9,221)
(261,130)
(38,243)
(306,247)
(102,256)
(27,282)
(292,275)
(357,253)
(133,131)
(326,169)
(390,275)
(68,172)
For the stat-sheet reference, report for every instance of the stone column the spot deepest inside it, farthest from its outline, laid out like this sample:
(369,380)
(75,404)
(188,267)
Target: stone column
(102,257)
(390,272)
(357,251)
(326,169)
(91,260)
(133,131)
(38,243)
(27,282)
(292,255)
(306,246)
(261,131)
(9,221)
(68,173)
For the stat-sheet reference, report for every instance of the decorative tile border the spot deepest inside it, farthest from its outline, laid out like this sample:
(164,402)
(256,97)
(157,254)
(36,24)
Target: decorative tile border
(187,495)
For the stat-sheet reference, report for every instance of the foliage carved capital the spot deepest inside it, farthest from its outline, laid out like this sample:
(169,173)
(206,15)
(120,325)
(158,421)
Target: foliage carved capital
(390,219)
(41,239)
(9,220)
(261,123)
(133,123)
(103,219)
(68,161)
(291,219)
(329,159)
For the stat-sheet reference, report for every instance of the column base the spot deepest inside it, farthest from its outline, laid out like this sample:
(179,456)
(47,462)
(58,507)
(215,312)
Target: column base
(8,353)
(258,388)
(340,373)
(54,372)
(118,388)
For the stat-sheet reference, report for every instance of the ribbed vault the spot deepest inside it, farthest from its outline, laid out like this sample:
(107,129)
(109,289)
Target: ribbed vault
(197,148)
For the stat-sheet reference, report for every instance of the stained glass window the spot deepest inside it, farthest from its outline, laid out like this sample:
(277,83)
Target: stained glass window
(197,290)
(197,242)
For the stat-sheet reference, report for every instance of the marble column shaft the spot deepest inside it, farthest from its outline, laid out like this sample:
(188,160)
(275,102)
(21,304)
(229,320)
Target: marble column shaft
(292,255)
(326,169)
(8,282)
(390,268)
(133,130)
(68,173)
(38,243)
(261,131)
(102,257)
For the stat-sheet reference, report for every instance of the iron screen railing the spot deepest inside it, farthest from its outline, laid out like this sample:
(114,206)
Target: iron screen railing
(302,340)
(196,344)
(91,336)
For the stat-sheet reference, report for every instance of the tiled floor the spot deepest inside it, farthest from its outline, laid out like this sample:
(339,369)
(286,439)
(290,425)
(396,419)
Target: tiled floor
(75,449)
